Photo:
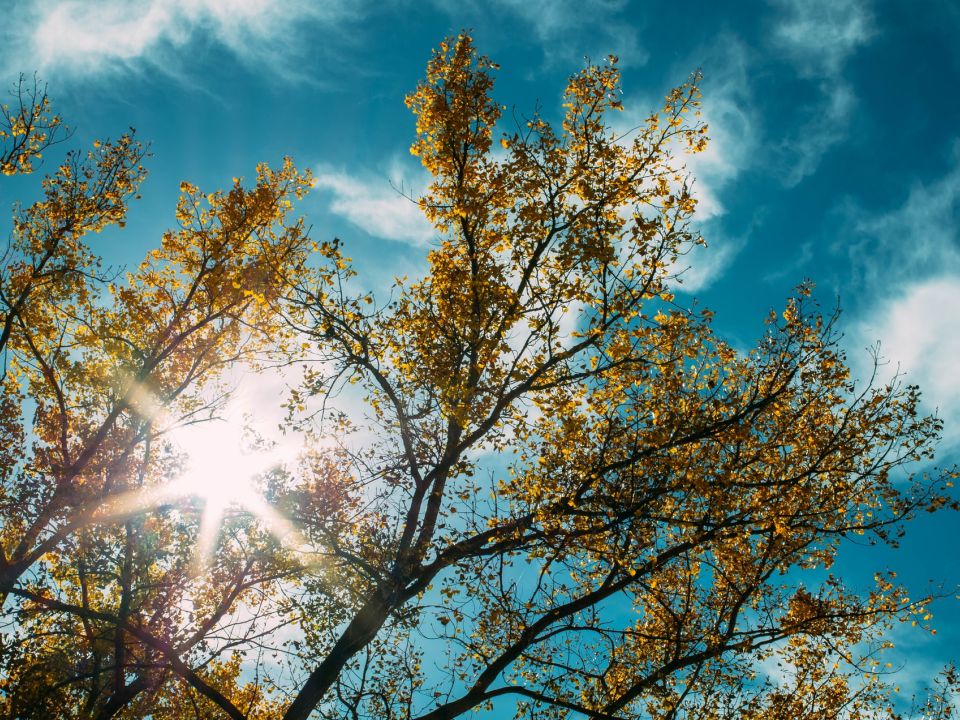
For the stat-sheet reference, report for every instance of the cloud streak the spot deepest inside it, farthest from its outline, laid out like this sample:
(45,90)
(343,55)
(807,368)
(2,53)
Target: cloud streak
(825,126)
(735,133)
(915,248)
(373,203)
(561,25)
(91,38)
(564,30)
(733,127)
(919,335)
(819,37)
(921,238)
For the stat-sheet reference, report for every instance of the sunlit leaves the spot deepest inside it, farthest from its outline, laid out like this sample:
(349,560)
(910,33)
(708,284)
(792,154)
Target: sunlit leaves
(564,489)
(110,614)
(27,127)
(627,553)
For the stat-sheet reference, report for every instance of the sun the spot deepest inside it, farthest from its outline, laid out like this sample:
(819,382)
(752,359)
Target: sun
(219,464)
(220,468)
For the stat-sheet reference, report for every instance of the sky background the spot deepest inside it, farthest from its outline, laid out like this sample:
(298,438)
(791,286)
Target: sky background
(835,153)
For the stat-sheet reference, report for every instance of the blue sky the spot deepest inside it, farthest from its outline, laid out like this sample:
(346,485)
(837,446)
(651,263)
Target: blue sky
(835,152)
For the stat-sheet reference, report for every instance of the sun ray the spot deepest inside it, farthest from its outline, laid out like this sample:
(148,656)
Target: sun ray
(210,521)
(219,472)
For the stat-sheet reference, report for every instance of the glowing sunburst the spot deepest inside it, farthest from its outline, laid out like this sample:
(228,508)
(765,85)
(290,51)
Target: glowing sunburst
(220,469)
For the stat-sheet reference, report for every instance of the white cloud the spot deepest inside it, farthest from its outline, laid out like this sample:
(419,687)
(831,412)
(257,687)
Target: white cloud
(826,124)
(919,239)
(735,134)
(918,656)
(819,35)
(704,266)
(94,36)
(374,203)
(570,29)
(920,334)
(566,30)
(915,248)
(551,18)
(733,128)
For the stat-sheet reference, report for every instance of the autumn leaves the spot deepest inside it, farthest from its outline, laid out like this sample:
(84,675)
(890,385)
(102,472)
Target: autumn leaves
(572,484)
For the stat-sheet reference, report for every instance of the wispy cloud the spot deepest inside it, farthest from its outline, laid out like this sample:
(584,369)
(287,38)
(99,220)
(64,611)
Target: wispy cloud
(564,30)
(568,29)
(920,336)
(825,125)
(97,36)
(735,133)
(703,266)
(734,128)
(374,203)
(919,239)
(819,37)
(914,249)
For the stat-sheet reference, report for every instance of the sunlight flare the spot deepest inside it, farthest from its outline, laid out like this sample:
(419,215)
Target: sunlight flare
(221,468)
(222,461)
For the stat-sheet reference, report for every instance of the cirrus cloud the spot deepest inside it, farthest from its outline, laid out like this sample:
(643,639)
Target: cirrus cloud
(374,203)
(83,37)
(907,260)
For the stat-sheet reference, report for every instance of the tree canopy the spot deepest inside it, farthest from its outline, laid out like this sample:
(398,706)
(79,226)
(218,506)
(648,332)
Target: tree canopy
(567,496)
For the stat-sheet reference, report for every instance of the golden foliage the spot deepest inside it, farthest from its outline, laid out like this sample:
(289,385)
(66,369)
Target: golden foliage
(592,503)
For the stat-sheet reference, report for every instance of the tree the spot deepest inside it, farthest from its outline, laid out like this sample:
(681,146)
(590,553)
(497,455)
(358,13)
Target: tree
(576,499)
(108,366)
(28,129)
